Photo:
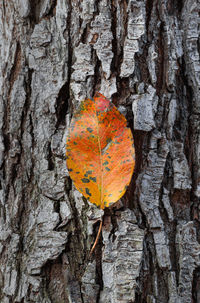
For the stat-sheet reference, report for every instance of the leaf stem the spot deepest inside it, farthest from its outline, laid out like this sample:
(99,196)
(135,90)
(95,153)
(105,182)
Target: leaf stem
(97,238)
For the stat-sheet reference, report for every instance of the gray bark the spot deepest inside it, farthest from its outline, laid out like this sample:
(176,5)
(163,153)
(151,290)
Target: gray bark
(144,55)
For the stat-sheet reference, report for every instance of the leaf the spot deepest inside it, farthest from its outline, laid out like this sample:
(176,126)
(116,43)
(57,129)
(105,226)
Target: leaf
(100,152)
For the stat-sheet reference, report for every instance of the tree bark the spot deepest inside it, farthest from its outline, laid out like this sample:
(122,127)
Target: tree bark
(144,56)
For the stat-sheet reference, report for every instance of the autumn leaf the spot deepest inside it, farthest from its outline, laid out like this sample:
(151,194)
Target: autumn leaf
(100,152)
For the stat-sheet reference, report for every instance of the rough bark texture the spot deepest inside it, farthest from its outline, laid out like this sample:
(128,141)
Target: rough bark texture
(144,55)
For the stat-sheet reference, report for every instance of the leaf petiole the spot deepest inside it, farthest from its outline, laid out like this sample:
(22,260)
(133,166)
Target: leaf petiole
(97,238)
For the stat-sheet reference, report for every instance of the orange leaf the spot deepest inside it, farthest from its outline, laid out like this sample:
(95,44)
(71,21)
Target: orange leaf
(100,152)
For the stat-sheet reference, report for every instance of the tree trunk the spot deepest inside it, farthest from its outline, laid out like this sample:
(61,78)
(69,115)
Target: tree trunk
(144,56)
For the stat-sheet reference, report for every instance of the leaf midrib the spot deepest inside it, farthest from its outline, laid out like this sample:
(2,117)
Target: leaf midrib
(101,162)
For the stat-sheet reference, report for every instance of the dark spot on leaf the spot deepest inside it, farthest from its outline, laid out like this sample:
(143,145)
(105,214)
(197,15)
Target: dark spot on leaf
(75,143)
(93,179)
(85,180)
(105,163)
(88,192)
(70,169)
(108,140)
(77,172)
(89,172)
(90,129)
(109,157)
(108,169)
